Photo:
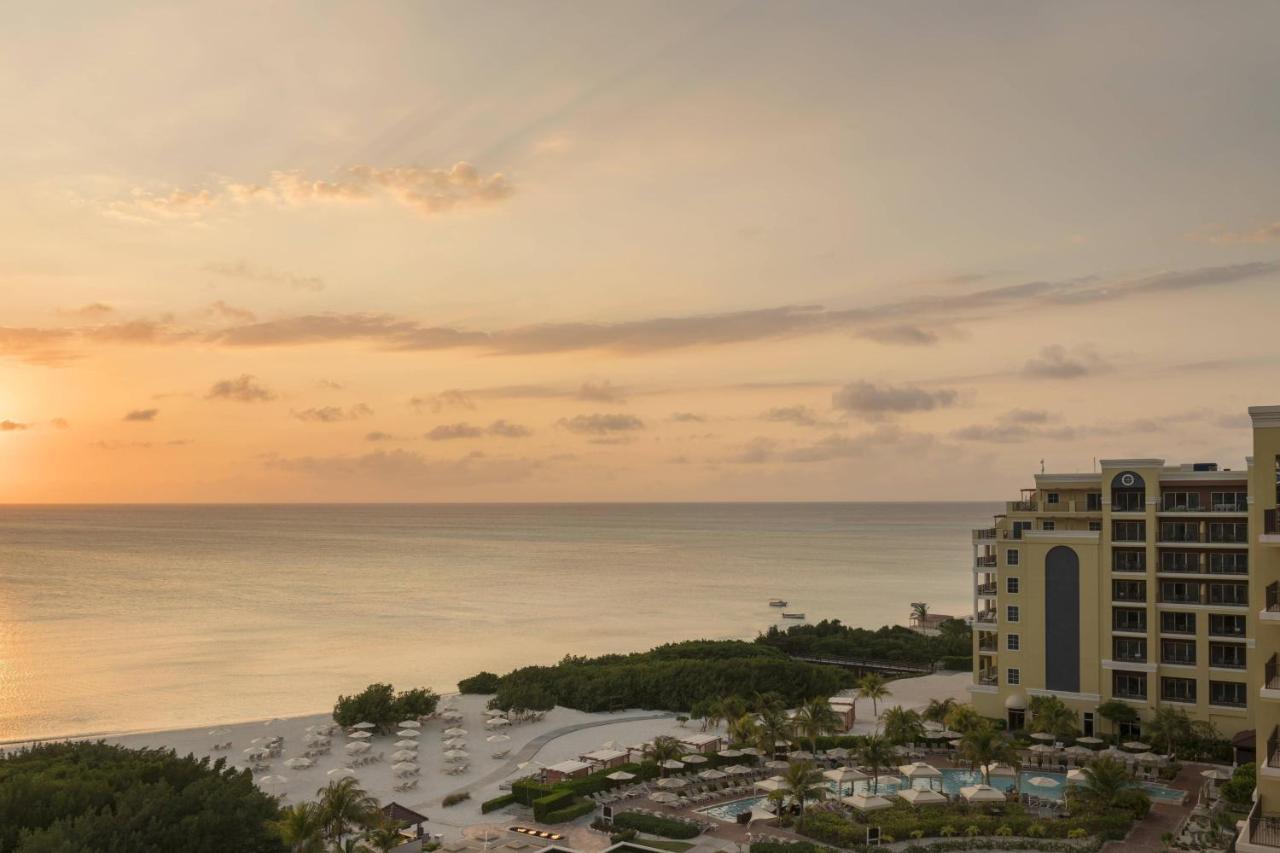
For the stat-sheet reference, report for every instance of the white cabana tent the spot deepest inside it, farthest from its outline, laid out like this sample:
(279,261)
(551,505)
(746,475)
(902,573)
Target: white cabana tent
(981,794)
(866,802)
(918,797)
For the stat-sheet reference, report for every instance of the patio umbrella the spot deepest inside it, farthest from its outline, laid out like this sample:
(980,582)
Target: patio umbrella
(762,815)
(1046,736)
(1040,749)
(671,782)
(1112,752)
(340,773)
(866,803)
(1043,782)
(995,771)
(272,780)
(299,763)
(712,774)
(918,797)
(981,794)
(736,769)
(357,746)
(800,755)
(1136,746)
(410,724)
(497,738)
(456,755)
(1089,740)
(404,755)
(621,776)
(1148,758)
(777,765)
(731,753)
(947,733)
(497,721)
(455,743)
(1076,775)
(838,752)
(314,738)
(404,766)
(255,751)
(663,797)
(408,733)
(1078,751)
(672,764)
(750,750)
(455,732)
(920,770)
(694,758)
(1216,773)
(359,735)
(407,744)
(363,725)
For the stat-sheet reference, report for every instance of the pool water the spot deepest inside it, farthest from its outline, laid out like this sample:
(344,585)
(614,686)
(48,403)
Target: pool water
(951,782)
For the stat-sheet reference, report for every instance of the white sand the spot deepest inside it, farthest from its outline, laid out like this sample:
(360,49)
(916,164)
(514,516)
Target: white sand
(485,772)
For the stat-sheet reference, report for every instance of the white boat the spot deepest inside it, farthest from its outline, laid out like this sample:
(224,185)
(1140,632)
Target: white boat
(777,602)
(792,615)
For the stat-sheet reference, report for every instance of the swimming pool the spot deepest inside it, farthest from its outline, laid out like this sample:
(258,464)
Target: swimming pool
(951,782)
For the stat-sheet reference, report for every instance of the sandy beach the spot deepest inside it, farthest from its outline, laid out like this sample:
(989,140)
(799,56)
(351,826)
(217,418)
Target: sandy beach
(562,734)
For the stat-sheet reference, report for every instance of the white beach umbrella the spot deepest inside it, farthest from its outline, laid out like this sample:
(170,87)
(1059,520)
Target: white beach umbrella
(712,774)
(1078,751)
(621,776)
(410,724)
(455,743)
(736,769)
(1148,758)
(407,744)
(694,758)
(1043,782)
(672,764)
(663,797)
(363,725)
(839,752)
(497,738)
(866,802)
(932,726)
(497,722)
(341,773)
(456,755)
(314,738)
(359,735)
(299,763)
(1041,749)
(1136,745)
(981,794)
(1089,740)
(800,755)
(1045,736)
(750,750)
(1076,775)
(454,732)
(920,770)
(947,734)
(730,753)
(917,797)
(404,766)
(408,733)
(404,755)
(671,782)
(357,747)
(777,765)
(1216,773)
(272,780)
(255,751)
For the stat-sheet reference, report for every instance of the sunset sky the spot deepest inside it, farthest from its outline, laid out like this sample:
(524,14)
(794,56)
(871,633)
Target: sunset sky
(652,251)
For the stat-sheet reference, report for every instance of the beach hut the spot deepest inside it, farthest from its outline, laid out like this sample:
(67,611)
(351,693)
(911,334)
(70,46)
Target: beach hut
(981,794)
(405,818)
(702,742)
(866,802)
(602,758)
(566,770)
(918,797)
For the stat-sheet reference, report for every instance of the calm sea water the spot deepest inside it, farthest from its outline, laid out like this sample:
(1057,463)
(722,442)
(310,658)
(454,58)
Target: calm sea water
(116,618)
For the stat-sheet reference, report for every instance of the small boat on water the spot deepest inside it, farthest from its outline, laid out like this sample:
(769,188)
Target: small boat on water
(777,602)
(792,615)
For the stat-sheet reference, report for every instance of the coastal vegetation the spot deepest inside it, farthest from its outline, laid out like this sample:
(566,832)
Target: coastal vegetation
(952,646)
(382,706)
(342,817)
(93,796)
(673,677)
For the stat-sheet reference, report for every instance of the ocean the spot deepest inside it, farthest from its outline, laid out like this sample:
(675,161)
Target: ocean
(126,618)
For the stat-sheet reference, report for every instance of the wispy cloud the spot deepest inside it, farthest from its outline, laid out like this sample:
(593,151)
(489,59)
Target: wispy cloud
(601,424)
(1262,234)
(142,415)
(404,467)
(905,334)
(798,415)
(244,389)
(13,426)
(874,402)
(760,451)
(245,271)
(1054,362)
(333,414)
(687,418)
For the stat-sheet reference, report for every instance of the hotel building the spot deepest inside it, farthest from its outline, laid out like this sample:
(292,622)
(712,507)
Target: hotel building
(1147,583)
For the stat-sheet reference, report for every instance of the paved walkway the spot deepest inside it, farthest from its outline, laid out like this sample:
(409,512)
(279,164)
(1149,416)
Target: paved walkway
(1164,817)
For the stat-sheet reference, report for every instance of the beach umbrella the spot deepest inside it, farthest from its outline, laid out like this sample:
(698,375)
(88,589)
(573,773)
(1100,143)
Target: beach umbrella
(672,782)
(777,764)
(404,755)
(1078,751)
(920,770)
(750,750)
(497,738)
(1040,749)
(995,771)
(621,776)
(981,794)
(730,753)
(408,733)
(455,743)
(712,774)
(1046,736)
(407,744)
(1216,773)
(800,755)
(404,767)
(357,747)
(917,797)
(456,755)
(455,732)
(948,734)
(838,752)
(341,773)
(1089,740)
(663,797)
(736,769)
(761,815)
(1075,774)
(496,722)
(299,763)
(314,738)
(694,758)
(255,751)
(672,764)
(1148,758)
(1137,745)
(272,780)
(771,784)
(359,735)
(1043,782)
(364,726)
(410,724)
(865,802)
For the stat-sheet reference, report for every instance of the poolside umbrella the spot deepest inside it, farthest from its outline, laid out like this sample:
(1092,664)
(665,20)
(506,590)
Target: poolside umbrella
(456,756)
(730,753)
(497,721)
(901,750)
(1040,748)
(947,733)
(762,815)
(1112,752)
(621,776)
(314,738)
(359,735)
(455,732)
(918,797)
(981,794)
(1078,751)
(407,744)
(838,752)
(1217,774)
(404,767)
(357,746)
(1043,782)
(363,725)
(772,784)
(408,733)
(920,770)
(255,752)
(1089,740)
(1046,736)
(736,769)
(341,773)
(299,763)
(1137,746)
(777,765)
(865,802)
(712,774)
(750,750)
(1076,775)
(404,755)
(1148,758)
(672,764)
(995,771)
(800,755)
(455,743)
(672,782)
(694,758)
(272,780)
(663,797)
(410,724)
(497,739)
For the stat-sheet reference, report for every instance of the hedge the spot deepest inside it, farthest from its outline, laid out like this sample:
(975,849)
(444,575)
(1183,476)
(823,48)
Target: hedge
(526,791)
(666,827)
(497,803)
(1092,845)
(901,821)
(555,801)
(959,663)
(566,814)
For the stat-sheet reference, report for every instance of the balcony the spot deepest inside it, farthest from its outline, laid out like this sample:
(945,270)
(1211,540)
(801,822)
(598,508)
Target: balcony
(1273,748)
(988,645)
(985,562)
(989,677)
(1271,675)
(1259,831)
(1228,534)
(987,589)
(1271,522)
(1021,506)
(984,533)
(985,617)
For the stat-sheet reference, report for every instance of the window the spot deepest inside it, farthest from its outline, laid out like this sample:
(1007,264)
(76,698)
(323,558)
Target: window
(1095,525)
(1179,592)
(1179,531)
(1011,557)
(1229,501)
(1178,689)
(1128,619)
(1177,623)
(1179,561)
(1093,502)
(1018,527)
(1229,594)
(1222,625)
(1012,676)
(1227,655)
(1128,500)
(1180,652)
(1011,613)
(1230,693)
(1129,649)
(1129,685)
(1228,563)
(1128,561)
(1129,731)
(1011,586)
(1048,525)
(1128,590)
(1012,641)
(1051,498)
(1228,531)
(1180,502)
(1129,531)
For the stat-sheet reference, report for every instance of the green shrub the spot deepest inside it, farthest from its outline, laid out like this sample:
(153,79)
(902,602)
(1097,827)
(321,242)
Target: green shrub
(527,790)
(381,705)
(1239,788)
(665,827)
(569,813)
(454,799)
(959,663)
(556,800)
(481,682)
(497,803)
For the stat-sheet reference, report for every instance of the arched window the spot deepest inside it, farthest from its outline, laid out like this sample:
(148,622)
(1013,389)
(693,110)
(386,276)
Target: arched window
(1128,492)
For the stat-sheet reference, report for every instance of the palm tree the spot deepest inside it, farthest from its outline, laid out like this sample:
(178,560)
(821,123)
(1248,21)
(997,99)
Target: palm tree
(714,714)
(768,701)
(1104,780)
(350,844)
(902,726)
(742,728)
(804,783)
(772,727)
(983,745)
(1170,725)
(301,828)
(384,835)
(664,749)
(963,718)
(733,707)
(876,754)
(815,719)
(344,804)
(872,686)
(1116,712)
(937,709)
(920,610)
(1050,714)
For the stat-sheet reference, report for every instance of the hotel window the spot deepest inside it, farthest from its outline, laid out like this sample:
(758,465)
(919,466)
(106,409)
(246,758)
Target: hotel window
(1128,590)
(1128,561)
(1012,641)
(1048,525)
(1228,531)
(1011,613)
(1051,498)
(1129,685)
(1011,586)
(1011,557)
(1095,525)
(1179,561)
(1180,502)
(1222,625)
(1229,594)
(1229,501)
(1227,655)
(1179,592)
(1178,689)
(1018,527)
(1230,693)
(1228,563)
(1129,731)
(1093,502)
(1177,623)
(1179,531)
(1128,619)
(1129,531)
(1132,500)
(1012,676)
(1180,652)
(1129,649)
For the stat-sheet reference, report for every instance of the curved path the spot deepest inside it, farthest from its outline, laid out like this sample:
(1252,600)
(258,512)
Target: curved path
(530,749)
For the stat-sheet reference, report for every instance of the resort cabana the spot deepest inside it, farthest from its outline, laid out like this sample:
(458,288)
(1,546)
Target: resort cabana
(995,771)
(981,794)
(693,758)
(566,770)
(702,742)
(866,802)
(602,758)
(920,770)
(405,818)
(620,776)
(917,797)
(844,776)
(773,783)
(843,709)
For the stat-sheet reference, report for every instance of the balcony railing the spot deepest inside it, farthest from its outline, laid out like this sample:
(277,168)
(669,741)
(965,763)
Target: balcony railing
(1229,534)
(987,645)
(989,677)
(1022,506)
(984,533)
(986,617)
(987,588)
(1230,506)
(985,562)
(1273,597)
(1271,520)
(1273,748)
(1263,831)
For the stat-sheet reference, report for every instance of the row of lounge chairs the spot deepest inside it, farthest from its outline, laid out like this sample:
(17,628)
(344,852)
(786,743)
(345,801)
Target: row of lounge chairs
(407,785)
(368,758)
(703,825)
(456,769)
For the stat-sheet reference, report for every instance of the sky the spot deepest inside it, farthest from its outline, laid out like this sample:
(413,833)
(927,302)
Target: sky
(548,251)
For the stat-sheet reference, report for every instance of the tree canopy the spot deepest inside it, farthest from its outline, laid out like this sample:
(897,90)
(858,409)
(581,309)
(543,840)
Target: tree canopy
(381,705)
(891,643)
